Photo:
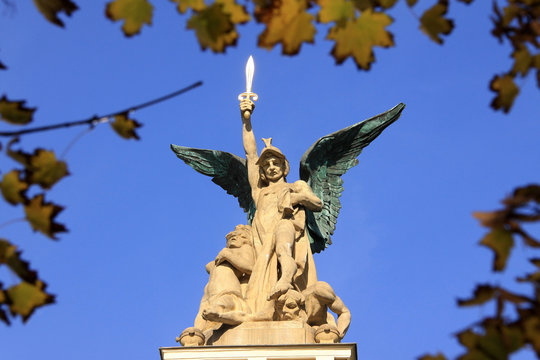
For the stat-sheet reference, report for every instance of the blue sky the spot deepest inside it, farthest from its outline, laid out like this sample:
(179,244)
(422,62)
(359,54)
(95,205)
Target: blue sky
(130,273)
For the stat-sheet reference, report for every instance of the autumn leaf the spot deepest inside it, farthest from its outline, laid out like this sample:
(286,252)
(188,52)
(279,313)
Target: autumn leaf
(335,10)
(51,8)
(213,28)
(411,3)
(3,301)
(13,188)
(482,294)
(14,112)
(287,23)
(433,23)
(135,14)
(185,5)
(506,91)
(387,4)
(18,155)
(237,12)
(439,356)
(41,216)
(45,169)
(12,258)
(125,127)
(358,37)
(26,297)
(501,242)
(523,61)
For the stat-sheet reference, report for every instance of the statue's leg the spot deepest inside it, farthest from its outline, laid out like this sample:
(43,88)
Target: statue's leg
(284,239)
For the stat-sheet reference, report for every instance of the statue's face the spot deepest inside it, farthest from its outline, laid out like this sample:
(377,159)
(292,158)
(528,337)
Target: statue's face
(290,310)
(273,168)
(237,238)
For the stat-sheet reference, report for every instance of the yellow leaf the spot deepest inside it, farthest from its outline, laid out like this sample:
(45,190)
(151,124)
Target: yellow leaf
(135,14)
(12,258)
(287,23)
(358,37)
(531,327)
(46,170)
(14,112)
(433,23)
(501,242)
(13,189)
(51,8)
(335,10)
(41,216)
(411,3)
(439,356)
(482,294)
(185,5)
(26,297)
(237,12)
(125,127)
(386,4)
(506,91)
(523,61)
(3,301)
(213,28)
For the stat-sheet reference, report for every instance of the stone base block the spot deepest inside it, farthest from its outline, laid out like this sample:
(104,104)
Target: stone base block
(263,333)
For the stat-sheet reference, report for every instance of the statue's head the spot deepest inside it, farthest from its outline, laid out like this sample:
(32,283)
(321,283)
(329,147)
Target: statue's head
(273,165)
(241,235)
(290,306)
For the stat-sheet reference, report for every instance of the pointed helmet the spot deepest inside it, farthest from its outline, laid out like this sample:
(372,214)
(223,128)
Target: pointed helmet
(271,150)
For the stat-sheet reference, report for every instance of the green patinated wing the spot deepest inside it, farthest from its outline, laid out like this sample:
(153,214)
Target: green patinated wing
(326,160)
(227,170)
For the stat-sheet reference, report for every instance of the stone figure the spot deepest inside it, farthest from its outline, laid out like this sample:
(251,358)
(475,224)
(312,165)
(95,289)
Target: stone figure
(269,274)
(319,298)
(229,273)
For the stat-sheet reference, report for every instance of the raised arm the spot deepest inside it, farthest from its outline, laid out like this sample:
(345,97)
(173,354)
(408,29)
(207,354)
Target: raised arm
(250,146)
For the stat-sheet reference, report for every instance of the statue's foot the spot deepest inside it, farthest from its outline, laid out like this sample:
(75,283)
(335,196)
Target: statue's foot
(279,289)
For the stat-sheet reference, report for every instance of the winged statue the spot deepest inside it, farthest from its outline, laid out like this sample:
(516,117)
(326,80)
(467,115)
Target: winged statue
(321,167)
(266,271)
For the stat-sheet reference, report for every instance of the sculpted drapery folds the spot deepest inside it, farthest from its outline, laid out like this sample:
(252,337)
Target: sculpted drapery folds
(266,273)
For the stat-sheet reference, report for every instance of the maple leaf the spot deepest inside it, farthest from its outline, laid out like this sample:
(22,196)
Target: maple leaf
(14,112)
(41,216)
(18,155)
(51,8)
(125,127)
(433,23)
(506,91)
(4,300)
(213,28)
(411,3)
(237,12)
(26,297)
(13,188)
(335,10)
(358,37)
(523,61)
(45,169)
(287,23)
(185,5)
(12,258)
(501,242)
(439,356)
(135,14)
(482,294)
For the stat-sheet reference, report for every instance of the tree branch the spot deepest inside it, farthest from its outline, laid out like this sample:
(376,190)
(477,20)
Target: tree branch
(95,119)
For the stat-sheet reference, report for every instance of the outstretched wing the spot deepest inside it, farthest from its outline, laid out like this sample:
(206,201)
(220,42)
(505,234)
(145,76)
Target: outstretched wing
(227,170)
(326,160)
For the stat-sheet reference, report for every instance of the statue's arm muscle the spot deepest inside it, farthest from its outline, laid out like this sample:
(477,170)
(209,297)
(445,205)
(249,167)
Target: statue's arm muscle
(250,147)
(303,195)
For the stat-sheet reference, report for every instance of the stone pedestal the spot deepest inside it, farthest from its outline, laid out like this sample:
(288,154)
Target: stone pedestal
(262,352)
(263,333)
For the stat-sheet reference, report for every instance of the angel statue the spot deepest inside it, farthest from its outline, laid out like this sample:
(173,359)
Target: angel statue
(289,221)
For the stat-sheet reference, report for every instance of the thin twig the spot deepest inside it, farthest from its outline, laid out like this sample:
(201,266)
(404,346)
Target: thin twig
(95,119)
(74,141)
(12,221)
